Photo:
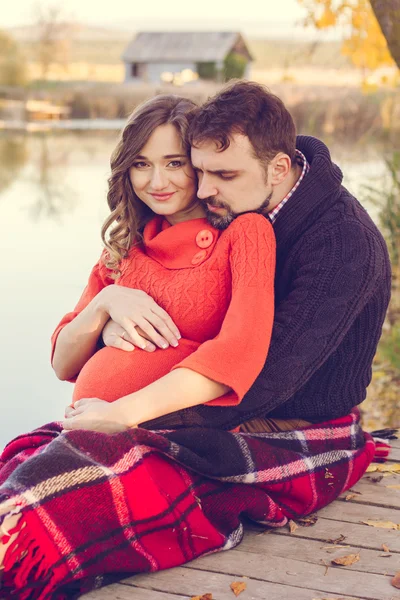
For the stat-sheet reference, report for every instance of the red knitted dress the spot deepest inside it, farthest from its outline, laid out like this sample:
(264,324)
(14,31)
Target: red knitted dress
(217,287)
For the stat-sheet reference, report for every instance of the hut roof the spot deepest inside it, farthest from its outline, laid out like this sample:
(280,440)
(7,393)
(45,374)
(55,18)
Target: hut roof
(198,46)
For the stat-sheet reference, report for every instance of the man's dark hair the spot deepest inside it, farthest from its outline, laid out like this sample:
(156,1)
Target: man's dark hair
(250,109)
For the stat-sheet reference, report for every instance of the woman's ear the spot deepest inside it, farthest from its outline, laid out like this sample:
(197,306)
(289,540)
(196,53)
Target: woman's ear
(280,167)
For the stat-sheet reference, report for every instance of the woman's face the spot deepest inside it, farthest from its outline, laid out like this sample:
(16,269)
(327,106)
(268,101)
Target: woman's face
(163,178)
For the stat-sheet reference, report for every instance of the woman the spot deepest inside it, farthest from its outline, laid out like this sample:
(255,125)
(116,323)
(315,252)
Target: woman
(212,284)
(203,278)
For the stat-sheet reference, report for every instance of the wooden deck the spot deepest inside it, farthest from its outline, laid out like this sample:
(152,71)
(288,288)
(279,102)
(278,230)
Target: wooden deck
(279,565)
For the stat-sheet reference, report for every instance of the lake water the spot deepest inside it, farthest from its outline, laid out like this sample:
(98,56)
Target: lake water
(53,202)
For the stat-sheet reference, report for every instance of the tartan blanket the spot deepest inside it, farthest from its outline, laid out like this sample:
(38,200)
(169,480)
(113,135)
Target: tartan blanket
(97,508)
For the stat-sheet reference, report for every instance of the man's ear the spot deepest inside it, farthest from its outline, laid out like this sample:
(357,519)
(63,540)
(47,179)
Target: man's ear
(280,167)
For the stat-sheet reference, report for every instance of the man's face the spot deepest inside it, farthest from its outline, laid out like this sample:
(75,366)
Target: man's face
(231,182)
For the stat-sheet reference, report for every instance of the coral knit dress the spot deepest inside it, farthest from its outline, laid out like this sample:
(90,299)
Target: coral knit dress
(218,287)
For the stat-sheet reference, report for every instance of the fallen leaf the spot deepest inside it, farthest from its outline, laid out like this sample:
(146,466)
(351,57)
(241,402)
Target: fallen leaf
(375,478)
(331,549)
(389,468)
(350,497)
(292,526)
(307,521)
(203,597)
(384,468)
(385,548)
(346,561)
(326,566)
(371,469)
(382,524)
(396,580)
(385,555)
(337,540)
(393,487)
(238,587)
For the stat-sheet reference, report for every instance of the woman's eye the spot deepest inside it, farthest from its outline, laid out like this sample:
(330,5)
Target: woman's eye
(139,164)
(227,177)
(176,163)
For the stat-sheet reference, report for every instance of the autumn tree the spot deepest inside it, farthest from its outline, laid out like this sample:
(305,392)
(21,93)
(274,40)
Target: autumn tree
(373,26)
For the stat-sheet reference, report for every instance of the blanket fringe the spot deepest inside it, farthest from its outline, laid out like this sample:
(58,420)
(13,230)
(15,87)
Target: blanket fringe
(382,449)
(26,567)
(387,434)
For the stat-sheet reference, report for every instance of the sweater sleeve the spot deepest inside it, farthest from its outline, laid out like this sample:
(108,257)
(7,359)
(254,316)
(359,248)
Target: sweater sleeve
(98,280)
(237,354)
(337,271)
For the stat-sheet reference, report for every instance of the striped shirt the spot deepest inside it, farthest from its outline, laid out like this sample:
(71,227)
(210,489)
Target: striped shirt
(302,161)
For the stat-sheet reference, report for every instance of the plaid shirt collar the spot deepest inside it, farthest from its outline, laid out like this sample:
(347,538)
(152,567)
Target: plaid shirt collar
(301,160)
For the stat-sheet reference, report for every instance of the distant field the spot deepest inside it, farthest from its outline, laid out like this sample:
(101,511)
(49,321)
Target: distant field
(266,53)
(285,54)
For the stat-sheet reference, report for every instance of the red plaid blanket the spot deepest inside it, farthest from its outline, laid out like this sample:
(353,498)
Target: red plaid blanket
(97,508)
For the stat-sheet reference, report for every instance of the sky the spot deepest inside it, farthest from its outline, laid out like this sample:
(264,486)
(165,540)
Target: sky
(19,12)
(275,17)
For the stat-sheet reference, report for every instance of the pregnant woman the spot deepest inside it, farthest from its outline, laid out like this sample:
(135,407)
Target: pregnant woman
(209,282)
(96,498)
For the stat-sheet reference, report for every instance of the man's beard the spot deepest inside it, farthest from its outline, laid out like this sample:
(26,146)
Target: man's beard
(223,221)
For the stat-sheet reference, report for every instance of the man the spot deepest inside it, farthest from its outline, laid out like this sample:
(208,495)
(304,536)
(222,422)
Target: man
(332,281)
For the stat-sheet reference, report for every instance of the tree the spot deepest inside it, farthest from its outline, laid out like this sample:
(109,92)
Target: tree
(12,64)
(207,70)
(374,28)
(52,44)
(387,13)
(234,66)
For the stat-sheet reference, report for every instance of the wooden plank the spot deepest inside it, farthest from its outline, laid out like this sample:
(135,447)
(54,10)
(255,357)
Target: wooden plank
(394,454)
(288,571)
(117,591)
(311,551)
(194,582)
(396,443)
(353,512)
(359,536)
(376,493)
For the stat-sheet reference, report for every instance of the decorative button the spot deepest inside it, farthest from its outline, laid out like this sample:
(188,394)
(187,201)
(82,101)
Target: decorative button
(204,238)
(199,257)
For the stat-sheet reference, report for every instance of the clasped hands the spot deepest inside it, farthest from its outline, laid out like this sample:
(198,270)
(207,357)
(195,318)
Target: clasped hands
(96,415)
(136,320)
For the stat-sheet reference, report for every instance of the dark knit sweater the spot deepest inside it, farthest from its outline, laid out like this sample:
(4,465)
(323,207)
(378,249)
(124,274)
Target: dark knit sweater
(332,290)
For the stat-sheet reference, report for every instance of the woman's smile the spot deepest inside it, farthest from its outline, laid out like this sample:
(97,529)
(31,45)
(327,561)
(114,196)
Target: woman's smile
(162,197)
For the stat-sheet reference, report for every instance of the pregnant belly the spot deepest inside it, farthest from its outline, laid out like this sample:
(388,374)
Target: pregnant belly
(112,373)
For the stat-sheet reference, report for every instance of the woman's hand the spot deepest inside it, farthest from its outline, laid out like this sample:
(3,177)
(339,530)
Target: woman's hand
(134,310)
(115,336)
(96,415)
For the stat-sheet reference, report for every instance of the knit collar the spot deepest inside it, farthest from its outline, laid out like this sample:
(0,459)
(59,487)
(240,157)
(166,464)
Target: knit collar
(316,193)
(181,246)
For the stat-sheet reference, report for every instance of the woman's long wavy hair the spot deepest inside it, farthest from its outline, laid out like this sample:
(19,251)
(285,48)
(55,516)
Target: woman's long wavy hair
(129,214)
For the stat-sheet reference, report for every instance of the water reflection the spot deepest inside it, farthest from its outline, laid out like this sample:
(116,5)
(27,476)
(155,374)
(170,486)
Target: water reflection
(13,156)
(54,195)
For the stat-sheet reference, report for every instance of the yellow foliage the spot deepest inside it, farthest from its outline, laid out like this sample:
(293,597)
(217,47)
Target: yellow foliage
(369,88)
(327,19)
(365,43)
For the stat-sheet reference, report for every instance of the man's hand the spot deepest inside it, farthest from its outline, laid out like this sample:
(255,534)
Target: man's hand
(140,320)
